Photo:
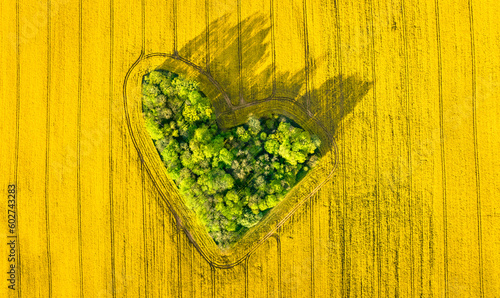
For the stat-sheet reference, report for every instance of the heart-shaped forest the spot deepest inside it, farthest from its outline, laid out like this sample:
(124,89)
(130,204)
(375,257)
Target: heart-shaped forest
(230,178)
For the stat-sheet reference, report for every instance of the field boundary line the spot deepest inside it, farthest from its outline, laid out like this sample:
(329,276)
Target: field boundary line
(240,56)
(47,144)
(273,46)
(78,144)
(476,150)
(442,148)
(144,237)
(16,158)
(408,135)
(307,57)
(345,288)
(174,23)
(111,184)
(377,170)
(207,24)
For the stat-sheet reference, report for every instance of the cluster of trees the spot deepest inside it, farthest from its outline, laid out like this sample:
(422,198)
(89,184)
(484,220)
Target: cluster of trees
(228,178)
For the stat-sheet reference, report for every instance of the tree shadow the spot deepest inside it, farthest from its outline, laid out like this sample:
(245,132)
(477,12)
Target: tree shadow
(336,98)
(245,70)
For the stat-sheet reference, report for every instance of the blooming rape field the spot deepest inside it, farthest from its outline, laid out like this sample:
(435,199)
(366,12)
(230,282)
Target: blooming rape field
(407,89)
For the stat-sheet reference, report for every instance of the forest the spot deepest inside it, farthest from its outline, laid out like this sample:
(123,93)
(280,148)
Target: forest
(229,178)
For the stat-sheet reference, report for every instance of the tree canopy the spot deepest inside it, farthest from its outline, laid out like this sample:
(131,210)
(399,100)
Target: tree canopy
(230,179)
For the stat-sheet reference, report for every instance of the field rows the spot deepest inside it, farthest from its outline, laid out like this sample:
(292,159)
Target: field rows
(408,88)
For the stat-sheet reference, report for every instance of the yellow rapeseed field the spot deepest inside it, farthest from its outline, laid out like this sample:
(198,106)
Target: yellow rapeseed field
(408,89)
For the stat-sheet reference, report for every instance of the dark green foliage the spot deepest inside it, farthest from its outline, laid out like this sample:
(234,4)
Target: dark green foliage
(230,179)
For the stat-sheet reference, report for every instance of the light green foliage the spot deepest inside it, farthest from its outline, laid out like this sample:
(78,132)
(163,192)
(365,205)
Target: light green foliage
(226,156)
(153,129)
(272,200)
(249,219)
(272,146)
(242,134)
(254,125)
(230,179)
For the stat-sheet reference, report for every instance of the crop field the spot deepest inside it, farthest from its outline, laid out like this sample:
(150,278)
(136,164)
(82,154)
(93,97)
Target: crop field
(404,202)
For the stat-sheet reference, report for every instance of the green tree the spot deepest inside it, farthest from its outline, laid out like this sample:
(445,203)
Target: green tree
(226,156)
(156,77)
(242,134)
(228,178)
(254,125)
(249,219)
(272,146)
(153,129)
(203,134)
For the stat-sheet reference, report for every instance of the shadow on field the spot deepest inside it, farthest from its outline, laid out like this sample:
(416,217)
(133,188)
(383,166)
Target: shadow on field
(244,68)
